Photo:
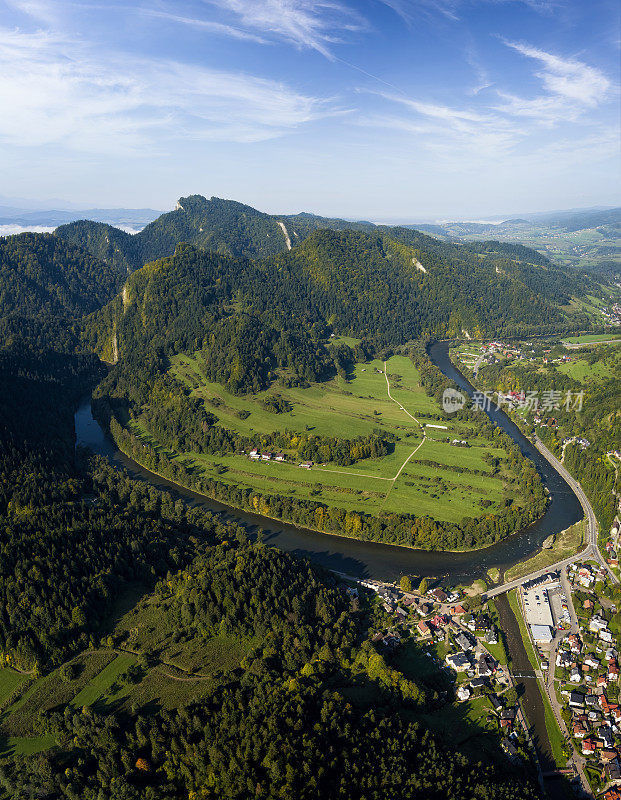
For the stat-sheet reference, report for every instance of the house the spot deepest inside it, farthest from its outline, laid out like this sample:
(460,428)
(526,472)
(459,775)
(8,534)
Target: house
(613,770)
(424,609)
(576,700)
(438,595)
(458,661)
(469,622)
(508,713)
(477,683)
(438,621)
(588,747)
(496,702)
(457,610)
(280,457)
(254,454)
(575,676)
(423,628)
(613,670)
(564,659)
(602,681)
(606,636)
(597,623)
(461,640)
(306,464)
(605,734)
(591,661)
(463,692)
(491,637)
(588,604)
(266,456)
(579,730)
(511,750)
(575,645)
(485,667)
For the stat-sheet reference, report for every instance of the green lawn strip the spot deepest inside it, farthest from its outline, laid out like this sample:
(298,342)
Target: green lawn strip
(102,682)
(26,745)
(517,613)
(555,735)
(554,732)
(10,681)
(592,337)
(51,691)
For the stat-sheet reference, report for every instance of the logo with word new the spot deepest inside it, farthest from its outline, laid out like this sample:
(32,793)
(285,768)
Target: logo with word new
(452,400)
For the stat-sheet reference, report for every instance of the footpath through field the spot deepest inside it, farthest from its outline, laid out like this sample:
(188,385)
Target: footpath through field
(401,468)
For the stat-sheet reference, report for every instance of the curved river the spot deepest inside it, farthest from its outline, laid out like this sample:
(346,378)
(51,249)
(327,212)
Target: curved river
(369,559)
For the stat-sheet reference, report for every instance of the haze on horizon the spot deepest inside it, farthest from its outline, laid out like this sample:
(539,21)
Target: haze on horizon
(375,109)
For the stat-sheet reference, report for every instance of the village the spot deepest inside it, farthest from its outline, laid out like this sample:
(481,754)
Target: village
(466,646)
(572,632)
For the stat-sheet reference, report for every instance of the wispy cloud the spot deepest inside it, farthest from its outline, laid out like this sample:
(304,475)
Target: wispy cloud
(571,87)
(209,26)
(486,130)
(410,10)
(445,130)
(64,93)
(307,24)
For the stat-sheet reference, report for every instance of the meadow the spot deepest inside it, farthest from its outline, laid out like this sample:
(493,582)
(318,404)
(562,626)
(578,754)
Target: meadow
(437,479)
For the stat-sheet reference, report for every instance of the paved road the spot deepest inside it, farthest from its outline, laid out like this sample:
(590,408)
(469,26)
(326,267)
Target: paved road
(591,551)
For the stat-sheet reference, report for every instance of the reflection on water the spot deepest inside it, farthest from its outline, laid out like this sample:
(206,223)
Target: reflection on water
(370,559)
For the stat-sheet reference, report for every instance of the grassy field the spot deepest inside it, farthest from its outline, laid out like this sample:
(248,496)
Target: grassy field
(566,544)
(9,682)
(350,408)
(582,371)
(590,338)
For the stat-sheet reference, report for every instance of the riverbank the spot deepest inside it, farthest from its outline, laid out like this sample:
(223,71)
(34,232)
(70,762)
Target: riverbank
(367,558)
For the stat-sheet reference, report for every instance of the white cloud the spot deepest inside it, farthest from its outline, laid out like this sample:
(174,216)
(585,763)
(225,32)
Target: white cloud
(410,10)
(571,88)
(60,92)
(307,24)
(208,26)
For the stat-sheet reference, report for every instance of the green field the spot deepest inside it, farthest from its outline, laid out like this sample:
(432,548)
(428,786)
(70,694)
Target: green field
(9,682)
(583,371)
(589,338)
(347,409)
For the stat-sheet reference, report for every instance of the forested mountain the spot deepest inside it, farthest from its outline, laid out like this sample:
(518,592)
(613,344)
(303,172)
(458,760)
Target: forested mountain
(235,229)
(251,316)
(314,710)
(40,274)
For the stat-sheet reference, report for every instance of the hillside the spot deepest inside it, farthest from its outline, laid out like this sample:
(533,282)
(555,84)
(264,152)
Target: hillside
(585,240)
(40,274)
(229,228)
(372,287)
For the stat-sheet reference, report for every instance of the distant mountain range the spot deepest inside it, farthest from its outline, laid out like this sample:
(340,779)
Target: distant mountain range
(24,217)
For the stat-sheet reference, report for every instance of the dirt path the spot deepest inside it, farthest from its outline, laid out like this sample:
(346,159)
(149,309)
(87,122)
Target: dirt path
(401,468)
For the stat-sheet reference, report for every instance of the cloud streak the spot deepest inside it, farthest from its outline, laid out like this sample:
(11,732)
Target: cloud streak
(306,24)
(571,87)
(63,93)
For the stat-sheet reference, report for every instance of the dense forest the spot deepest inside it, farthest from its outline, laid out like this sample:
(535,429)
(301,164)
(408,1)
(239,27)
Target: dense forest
(77,536)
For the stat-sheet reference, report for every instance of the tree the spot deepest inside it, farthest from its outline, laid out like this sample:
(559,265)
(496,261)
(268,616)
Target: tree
(423,586)
(406,583)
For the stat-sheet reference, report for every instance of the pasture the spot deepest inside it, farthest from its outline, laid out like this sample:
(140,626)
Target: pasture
(437,479)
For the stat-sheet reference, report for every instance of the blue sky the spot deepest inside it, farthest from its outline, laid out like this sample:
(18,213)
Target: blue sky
(377,109)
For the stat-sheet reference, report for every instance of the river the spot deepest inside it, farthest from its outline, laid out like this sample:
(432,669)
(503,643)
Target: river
(370,559)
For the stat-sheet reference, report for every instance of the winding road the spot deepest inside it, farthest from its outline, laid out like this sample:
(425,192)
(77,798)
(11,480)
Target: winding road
(590,551)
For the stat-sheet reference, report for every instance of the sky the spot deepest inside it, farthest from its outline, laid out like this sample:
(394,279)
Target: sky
(369,109)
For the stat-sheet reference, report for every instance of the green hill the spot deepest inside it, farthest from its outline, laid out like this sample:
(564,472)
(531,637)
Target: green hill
(40,274)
